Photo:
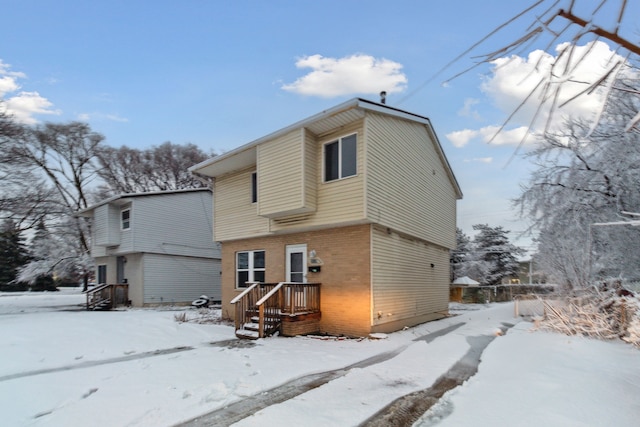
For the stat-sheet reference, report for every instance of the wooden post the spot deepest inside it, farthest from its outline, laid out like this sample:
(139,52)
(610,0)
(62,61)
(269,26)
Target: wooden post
(261,321)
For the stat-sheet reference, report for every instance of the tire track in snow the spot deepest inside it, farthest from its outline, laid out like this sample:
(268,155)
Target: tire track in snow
(406,410)
(92,363)
(246,407)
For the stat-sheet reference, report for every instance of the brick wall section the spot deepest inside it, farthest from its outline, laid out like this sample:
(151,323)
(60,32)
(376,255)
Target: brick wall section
(301,325)
(345,275)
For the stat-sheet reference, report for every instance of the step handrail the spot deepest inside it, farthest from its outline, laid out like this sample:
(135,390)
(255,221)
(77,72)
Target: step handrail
(245,292)
(97,288)
(271,293)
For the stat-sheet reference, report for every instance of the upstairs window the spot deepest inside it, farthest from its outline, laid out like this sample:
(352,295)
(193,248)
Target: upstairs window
(254,187)
(250,267)
(125,219)
(340,158)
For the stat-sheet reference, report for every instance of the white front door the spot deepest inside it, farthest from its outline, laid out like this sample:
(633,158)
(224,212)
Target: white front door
(297,263)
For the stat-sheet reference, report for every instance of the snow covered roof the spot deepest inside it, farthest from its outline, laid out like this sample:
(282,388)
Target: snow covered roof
(465,281)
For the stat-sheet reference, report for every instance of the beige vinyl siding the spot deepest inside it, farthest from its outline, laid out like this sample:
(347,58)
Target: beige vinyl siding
(408,188)
(235,216)
(310,171)
(340,201)
(281,176)
(404,285)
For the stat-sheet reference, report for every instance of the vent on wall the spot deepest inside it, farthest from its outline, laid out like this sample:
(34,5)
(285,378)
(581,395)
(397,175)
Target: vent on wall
(294,219)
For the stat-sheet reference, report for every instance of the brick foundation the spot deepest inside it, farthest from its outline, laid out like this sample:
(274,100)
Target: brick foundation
(300,325)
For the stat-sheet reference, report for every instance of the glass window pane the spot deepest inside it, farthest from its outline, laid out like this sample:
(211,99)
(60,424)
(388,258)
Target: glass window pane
(243,260)
(258,276)
(254,187)
(258,259)
(331,161)
(349,154)
(243,278)
(296,262)
(296,277)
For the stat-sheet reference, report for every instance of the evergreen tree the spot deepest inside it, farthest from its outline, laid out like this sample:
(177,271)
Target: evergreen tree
(13,255)
(460,256)
(496,253)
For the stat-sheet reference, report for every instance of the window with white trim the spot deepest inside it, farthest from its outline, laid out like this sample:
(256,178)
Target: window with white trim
(340,158)
(125,219)
(250,267)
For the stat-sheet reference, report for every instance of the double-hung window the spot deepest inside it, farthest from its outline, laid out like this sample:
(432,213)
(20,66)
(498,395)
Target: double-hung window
(125,219)
(250,267)
(340,158)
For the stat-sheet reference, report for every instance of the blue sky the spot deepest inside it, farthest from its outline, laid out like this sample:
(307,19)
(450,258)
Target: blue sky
(222,73)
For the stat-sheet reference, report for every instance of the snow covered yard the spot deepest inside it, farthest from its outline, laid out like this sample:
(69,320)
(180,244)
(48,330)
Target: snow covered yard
(63,366)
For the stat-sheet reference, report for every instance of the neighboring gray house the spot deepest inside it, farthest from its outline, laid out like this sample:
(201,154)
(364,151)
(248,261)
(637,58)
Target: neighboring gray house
(160,243)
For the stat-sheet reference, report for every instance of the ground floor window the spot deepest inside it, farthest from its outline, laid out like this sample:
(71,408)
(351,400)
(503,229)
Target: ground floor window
(250,267)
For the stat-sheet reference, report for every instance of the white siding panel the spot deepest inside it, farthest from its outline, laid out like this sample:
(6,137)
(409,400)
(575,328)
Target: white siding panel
(404,284)
(176,279)
(106,226)
(101,225)
(408,188)
(178,224)
(127,237)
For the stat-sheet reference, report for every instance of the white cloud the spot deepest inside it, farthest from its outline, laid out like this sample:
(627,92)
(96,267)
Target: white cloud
(480,160)
(514,78)
(23,105)
(460,138)
(85,117)
(489,135)
(331,77)
(468,111)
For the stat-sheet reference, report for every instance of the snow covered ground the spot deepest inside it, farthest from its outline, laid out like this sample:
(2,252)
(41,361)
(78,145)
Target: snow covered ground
(63,366)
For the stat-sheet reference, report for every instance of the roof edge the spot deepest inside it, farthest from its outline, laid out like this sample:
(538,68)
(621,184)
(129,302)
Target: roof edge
(134,195)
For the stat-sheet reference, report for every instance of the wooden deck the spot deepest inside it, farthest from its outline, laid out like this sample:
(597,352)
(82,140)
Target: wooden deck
(108,296)
(286,307)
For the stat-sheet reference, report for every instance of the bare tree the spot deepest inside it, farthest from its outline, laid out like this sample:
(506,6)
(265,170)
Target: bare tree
(47,173)
(573,27)
(559,24)
(160,168)
(583,178)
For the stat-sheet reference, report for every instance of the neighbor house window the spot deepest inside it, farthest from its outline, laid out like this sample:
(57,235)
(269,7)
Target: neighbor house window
(102,274)
(249,267)
(340,158)
(125,216)
(254,187)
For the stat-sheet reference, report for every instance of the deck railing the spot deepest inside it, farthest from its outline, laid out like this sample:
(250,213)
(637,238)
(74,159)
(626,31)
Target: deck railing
(269,301)
(107,296)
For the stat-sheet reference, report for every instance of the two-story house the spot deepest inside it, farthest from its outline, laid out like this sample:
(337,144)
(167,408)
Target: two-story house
(159,243)
(359,199)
